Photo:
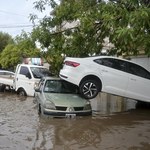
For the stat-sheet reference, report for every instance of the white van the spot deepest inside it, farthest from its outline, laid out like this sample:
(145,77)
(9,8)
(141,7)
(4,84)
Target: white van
(27,76)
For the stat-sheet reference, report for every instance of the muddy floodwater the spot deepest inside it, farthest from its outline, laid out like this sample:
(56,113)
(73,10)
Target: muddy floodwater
(116,124)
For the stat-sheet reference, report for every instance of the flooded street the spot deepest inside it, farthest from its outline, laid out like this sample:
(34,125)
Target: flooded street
(116,124)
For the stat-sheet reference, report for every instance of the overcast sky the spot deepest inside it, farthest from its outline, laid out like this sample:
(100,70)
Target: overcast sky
(14,16)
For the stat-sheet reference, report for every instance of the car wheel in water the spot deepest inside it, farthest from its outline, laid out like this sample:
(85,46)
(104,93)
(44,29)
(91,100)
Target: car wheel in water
(89,89)
(22,92)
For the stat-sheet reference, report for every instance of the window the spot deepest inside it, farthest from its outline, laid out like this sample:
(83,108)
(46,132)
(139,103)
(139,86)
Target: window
(60,86)
(25,71)
(39,72)
(138,70)
(104,61)
(112,63)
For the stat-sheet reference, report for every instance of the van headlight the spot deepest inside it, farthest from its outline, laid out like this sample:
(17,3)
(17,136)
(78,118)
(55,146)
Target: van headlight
(50,105)
(87,106)
(36,85)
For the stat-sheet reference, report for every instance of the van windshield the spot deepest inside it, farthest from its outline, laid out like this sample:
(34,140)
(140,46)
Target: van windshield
(39,72)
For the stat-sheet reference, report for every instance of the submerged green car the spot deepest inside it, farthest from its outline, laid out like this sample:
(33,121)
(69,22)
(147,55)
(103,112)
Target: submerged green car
(57,97)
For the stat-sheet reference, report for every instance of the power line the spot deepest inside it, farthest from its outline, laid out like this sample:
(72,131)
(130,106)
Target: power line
(12,13)
(16,26)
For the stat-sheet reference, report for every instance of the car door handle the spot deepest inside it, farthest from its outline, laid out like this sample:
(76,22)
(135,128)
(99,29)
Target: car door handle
(133,79)
(104,70)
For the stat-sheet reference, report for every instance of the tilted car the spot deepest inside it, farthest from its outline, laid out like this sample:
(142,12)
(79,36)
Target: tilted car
(107,74)
(57,97)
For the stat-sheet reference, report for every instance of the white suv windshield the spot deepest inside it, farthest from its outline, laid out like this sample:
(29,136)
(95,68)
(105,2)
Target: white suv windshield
(39,72)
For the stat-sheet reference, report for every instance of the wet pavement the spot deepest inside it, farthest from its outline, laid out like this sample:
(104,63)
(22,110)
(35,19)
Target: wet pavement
(116,124)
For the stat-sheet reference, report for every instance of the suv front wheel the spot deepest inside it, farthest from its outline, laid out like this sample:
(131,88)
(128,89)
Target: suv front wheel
(89,89)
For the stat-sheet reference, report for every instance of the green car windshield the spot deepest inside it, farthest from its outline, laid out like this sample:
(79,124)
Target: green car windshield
(59,86)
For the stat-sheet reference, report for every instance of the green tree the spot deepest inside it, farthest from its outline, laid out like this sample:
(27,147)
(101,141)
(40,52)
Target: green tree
(125,23)
(9,57)
(13,53)
(5,39)
(130,27)
(26,46)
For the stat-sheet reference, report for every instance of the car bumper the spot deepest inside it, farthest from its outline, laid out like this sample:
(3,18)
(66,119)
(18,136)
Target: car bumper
(69,76)
(66,114)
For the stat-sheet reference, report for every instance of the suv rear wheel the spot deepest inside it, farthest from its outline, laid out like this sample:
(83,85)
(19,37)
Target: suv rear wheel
(89,88)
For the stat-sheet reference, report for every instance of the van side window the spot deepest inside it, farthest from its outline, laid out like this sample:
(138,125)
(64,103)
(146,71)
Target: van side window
(25,71)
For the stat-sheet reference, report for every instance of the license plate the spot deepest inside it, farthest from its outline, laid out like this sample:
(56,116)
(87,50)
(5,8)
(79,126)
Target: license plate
(70,115)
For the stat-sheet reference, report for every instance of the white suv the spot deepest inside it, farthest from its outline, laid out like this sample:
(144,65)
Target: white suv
(107,74)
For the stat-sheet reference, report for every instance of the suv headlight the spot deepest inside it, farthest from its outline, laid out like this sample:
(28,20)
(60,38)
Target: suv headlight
(87,106)
(50,105)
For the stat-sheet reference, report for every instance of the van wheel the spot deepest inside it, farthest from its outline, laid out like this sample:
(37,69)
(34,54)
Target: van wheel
(89,89)
(2,88)
(21,92)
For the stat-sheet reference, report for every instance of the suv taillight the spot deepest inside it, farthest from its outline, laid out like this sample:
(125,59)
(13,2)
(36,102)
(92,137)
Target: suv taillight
(71,63)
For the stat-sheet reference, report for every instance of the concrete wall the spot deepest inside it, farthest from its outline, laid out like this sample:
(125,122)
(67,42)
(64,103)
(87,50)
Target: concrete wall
(107,104)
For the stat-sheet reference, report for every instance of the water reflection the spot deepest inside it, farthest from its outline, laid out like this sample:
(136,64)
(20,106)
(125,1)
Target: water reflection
(89,133)
(22,128)
(67,134)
